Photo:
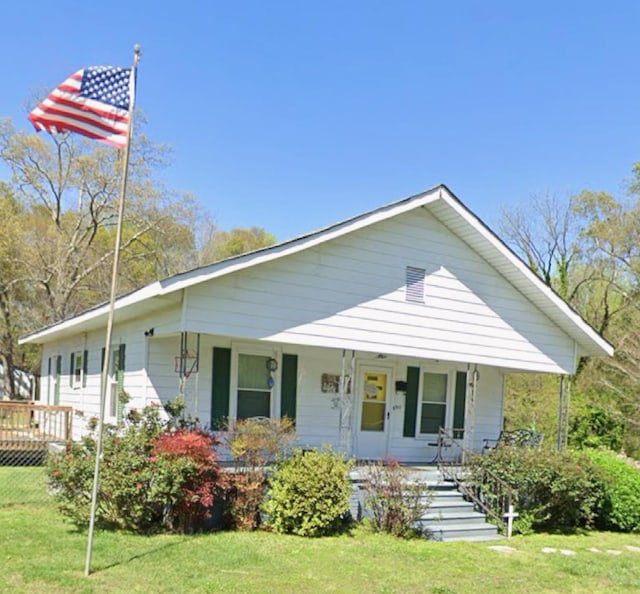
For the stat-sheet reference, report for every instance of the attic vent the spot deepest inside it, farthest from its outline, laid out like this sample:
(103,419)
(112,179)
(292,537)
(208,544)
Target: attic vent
(415,284)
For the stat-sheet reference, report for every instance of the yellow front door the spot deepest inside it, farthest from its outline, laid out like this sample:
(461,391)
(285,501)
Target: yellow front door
(373,418)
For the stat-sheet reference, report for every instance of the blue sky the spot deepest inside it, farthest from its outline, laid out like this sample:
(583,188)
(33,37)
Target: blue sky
(292,115)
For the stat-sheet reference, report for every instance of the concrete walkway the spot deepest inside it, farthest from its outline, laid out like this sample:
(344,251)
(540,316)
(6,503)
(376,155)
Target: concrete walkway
(508,550)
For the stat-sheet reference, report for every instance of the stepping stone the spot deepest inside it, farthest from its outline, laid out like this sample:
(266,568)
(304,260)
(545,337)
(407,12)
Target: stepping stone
(548,550)
(612,552)
(594,550)
(632,549)
(567,552)
(503,549)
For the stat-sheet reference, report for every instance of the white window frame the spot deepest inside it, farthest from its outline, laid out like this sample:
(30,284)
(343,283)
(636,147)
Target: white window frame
(111,395)
(238,349)
(449,397)
(77,378)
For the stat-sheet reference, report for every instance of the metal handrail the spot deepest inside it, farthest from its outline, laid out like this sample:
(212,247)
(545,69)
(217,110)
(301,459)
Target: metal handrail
(490,493)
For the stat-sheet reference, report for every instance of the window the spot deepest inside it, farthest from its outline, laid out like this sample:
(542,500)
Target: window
(433,402)
(78,369)
(254,386)
(115,382)
(415,284)
(54,369)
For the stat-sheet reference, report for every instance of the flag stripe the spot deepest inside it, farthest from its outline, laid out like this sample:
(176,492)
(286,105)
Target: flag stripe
(94,102)
(60,124)
(91,105)
(82,114)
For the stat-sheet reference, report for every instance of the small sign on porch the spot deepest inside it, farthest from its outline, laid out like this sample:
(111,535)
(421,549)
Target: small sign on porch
(331,383)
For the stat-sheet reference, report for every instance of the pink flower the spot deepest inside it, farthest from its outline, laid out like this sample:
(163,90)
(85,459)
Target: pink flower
(138,486)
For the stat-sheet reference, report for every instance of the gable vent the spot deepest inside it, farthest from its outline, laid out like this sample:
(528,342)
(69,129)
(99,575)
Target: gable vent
(415,284)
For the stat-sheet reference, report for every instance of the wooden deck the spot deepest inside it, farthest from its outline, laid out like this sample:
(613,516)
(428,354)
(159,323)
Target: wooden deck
(28,429)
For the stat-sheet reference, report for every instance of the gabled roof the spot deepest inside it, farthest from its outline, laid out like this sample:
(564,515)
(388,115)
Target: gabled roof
(440,202)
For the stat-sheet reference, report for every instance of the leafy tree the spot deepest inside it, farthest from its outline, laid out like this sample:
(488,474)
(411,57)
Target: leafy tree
(69,188)
(588,250)
(225,244)
(13,292)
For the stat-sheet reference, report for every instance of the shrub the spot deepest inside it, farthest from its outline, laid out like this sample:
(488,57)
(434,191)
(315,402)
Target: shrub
(394,501)
(553,490)
(253,444)
(150,477)
(596,428)
(186,478)
(619,507)
(309,494)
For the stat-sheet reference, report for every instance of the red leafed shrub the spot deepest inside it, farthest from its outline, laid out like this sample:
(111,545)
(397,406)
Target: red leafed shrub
(154,476)
(186,469)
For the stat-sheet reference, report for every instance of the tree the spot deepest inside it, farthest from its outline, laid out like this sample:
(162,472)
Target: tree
(69,189)
(544,235)
(225,244)
(12,285)
(588,250)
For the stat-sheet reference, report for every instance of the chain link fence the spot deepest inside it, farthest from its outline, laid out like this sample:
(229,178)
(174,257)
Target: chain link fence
(27,431)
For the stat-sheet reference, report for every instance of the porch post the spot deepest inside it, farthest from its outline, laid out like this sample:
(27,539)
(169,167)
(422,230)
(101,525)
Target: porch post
(562,434)
(470,410)
(345,432)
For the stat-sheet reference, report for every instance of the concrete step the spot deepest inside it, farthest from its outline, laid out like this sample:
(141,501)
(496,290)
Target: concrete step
(449,516)
(461,531)
(437,517)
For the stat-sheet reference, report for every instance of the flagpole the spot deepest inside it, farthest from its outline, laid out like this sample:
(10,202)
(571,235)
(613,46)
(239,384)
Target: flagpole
(112,301)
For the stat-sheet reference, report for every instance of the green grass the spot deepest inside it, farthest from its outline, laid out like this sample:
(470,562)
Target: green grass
(39,552)
(22,484)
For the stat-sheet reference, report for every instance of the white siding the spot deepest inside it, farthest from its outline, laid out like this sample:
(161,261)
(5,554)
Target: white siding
(350,292)
(85,398)
(150,378)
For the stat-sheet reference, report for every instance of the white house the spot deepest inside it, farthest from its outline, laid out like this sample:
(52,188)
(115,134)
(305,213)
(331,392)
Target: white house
(371,334)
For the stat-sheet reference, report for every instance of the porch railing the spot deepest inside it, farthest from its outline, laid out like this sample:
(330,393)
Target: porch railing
(486,490)
(28,425)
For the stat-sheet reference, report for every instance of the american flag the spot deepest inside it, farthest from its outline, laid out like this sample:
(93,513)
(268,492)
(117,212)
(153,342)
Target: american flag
(94,102)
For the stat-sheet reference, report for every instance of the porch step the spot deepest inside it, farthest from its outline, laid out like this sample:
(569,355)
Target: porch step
(445,532)
(449,517)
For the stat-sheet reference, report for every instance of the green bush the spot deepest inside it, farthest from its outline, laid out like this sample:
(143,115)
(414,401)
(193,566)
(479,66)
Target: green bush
(254,444)
(394,501)
(553,490)
(619,507)
(309,494)
(152,477)
(596,428)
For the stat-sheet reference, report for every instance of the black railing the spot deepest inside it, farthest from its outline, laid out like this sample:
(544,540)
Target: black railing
(488,492)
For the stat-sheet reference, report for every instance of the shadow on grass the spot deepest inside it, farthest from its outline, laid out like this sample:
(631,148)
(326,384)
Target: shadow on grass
(97,568)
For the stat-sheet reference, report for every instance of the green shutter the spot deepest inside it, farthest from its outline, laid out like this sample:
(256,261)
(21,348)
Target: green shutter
(85,367)
(289,391)
(120,382)
(101,366)
(459,403)
(411,402)
(49,369)
(220,386)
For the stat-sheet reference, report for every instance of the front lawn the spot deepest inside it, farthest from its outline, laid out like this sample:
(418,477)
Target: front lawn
(39,552)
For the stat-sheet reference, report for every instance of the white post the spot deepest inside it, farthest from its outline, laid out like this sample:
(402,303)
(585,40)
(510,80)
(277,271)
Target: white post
(510,515)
